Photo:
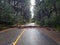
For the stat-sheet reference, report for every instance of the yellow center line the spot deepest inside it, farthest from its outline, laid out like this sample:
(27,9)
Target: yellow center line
(15,42)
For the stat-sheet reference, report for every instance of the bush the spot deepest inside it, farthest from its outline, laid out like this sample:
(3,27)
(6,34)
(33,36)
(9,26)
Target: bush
(53,21)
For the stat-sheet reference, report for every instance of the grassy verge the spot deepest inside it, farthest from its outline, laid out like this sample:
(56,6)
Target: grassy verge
(2,27)
(58,29)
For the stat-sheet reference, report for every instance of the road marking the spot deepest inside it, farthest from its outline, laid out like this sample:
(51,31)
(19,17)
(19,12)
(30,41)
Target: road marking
(19,37)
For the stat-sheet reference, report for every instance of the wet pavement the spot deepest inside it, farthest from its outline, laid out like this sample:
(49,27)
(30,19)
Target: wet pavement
(33,36)
(9,36)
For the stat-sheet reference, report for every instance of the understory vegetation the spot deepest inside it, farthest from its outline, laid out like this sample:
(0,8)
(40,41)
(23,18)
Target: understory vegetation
(47,13)
(12,13)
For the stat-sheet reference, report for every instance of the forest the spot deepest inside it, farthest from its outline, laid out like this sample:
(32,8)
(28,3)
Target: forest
(47,13)
(14,12)
(17,12)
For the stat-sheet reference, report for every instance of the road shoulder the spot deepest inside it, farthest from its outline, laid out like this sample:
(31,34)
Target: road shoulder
(52,34)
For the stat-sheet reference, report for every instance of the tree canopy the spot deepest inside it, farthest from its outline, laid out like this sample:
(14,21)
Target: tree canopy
(47,12)
(14,12)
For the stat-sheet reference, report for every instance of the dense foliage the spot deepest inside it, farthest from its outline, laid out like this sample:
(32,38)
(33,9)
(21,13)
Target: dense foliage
(6,14)
(47,13)
(14,12)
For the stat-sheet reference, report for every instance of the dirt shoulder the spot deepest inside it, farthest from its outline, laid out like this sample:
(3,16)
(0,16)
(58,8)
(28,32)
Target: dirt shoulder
(52,34)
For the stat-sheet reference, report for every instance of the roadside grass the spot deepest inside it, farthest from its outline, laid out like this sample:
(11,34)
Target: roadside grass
(58,29)
(2,27)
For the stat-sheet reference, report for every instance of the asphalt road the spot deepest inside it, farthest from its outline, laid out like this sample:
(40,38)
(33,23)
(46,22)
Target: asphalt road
(33,36)
(7,37)
(27,36)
